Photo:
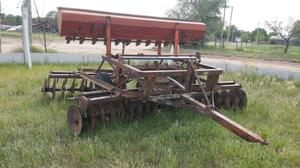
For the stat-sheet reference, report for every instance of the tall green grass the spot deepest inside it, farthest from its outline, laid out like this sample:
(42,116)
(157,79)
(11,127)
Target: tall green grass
(33,129)
(262,51)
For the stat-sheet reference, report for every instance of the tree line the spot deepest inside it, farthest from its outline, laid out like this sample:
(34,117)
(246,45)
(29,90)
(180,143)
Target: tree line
(209,12)
(48,23)
(9,19)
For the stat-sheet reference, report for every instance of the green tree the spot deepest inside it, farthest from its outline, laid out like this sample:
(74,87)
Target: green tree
(297,29)
(11,19)
(286,30)
(245,36)
(206,11)
(51,15)
(234,33)
(259,34)
(272,34)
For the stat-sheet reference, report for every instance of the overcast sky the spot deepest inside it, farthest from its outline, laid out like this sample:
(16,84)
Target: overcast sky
(247,14)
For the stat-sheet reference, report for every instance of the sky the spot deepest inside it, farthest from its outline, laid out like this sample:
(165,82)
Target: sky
(247,14)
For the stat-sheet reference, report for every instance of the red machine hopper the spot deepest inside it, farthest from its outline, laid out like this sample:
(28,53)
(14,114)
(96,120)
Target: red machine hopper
(92,24)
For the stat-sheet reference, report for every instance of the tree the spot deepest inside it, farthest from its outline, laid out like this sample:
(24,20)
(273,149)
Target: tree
(207,11)
(259,34)
(235,33)
(272,34)
(245,37)
(297,29)
(286,30)
(51,15)
(11,19)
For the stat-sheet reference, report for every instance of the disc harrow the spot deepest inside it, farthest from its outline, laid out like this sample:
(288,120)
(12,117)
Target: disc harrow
(131,87)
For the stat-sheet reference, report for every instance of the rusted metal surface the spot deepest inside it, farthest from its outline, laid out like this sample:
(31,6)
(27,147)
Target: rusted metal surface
(129,91)
(75,23)
(224,121)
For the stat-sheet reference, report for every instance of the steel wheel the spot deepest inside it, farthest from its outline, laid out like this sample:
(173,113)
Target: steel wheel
(74,120)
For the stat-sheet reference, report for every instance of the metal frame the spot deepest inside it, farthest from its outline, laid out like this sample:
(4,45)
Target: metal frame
(186,83)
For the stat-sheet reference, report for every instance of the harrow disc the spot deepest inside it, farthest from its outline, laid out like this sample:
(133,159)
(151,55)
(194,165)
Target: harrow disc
(45,86)
(101,116)
(139,110)
(74,120)
(243,97)
(225,99)
(91,112)
(63,87)
(121,112)
(131,111)
(234,99)
(72,88)
(218,100)
(135,110)
(53,91)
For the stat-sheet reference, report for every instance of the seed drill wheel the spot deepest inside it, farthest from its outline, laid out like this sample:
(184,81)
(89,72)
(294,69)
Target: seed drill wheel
(74,120)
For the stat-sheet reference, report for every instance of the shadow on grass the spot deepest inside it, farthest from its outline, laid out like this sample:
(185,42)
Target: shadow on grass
(154,124)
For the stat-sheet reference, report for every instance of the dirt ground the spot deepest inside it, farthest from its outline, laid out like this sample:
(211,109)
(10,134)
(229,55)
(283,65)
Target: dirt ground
(10,44)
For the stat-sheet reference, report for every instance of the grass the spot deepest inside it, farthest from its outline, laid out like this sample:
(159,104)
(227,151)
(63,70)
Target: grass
(262,51)
(37,36)
(35,49)
(33,129)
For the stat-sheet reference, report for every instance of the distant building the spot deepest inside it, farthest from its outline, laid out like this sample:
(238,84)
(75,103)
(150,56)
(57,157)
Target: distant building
(15,28)
(276,40)
(279,40)
(5,27)
(296,42)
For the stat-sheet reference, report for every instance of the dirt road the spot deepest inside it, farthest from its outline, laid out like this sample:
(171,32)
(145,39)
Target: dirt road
(11,44)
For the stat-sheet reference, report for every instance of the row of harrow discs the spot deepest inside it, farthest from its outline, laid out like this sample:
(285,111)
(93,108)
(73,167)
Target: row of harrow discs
(70,84)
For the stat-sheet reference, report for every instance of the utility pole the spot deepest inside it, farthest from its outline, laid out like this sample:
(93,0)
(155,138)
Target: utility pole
(229,30)
(0,28)
(224,14)
(257,34)
(30,21)
(26,41)
(232,37)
